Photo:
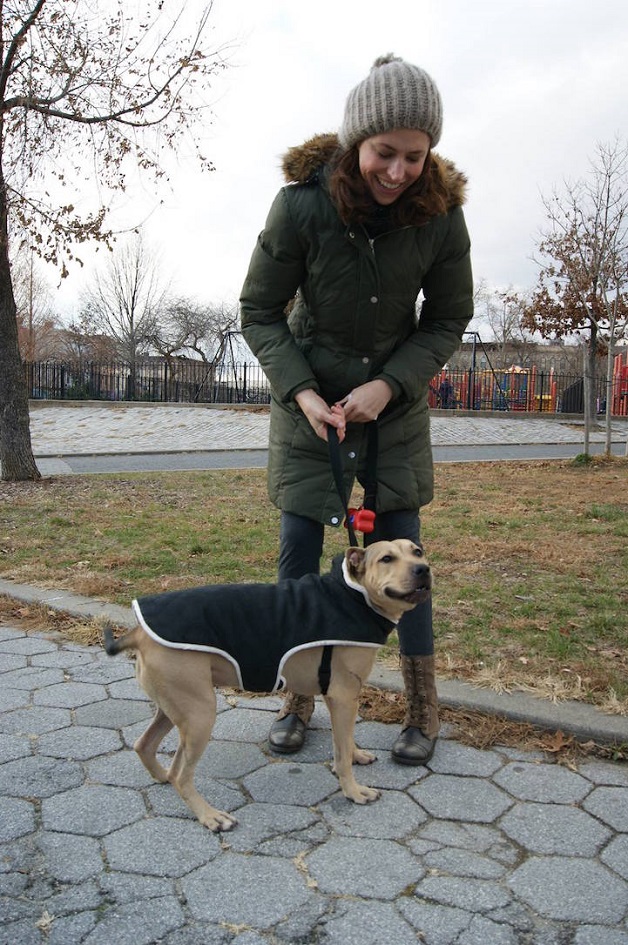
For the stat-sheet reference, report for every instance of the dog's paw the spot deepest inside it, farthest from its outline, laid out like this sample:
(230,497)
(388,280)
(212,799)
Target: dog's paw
(362,757)
(218,821)
(362,794)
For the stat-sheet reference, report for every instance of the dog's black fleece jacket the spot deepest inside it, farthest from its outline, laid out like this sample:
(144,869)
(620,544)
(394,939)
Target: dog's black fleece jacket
(258,626)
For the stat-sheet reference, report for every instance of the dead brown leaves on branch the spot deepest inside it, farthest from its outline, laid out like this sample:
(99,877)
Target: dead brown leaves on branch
(100,96)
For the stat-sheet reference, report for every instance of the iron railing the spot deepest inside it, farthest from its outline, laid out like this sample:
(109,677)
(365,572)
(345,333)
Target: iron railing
(186,381)
(156,379)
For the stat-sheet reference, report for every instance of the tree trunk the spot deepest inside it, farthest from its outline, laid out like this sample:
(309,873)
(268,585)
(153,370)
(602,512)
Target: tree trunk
(610,386)
(586,398)
(16,454)
(593,375)
(589,386)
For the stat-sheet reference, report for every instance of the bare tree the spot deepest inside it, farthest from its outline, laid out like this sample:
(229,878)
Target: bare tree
(501,311)
(202,331)
(189,326)
(583,280)
(86,92)
(125,301)
(36,319)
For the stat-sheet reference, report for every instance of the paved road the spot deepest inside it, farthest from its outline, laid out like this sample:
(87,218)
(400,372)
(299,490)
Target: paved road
(481,847)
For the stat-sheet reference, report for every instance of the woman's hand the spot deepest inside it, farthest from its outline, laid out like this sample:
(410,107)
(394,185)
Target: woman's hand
(366,402)
(320,415)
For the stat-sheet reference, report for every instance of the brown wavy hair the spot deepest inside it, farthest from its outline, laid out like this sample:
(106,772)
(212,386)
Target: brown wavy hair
(427,197)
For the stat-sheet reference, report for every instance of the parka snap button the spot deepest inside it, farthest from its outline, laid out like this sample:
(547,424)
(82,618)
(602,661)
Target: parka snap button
(365,360)
(334,520)
(351,455)
(374,299)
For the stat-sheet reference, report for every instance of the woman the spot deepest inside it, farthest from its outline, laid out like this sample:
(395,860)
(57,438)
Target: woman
(371,217)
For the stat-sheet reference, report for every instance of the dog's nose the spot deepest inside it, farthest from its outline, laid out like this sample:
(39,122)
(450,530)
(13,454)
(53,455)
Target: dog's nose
(421,570)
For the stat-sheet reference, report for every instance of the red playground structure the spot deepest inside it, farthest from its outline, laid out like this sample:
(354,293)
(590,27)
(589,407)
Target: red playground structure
(525,389)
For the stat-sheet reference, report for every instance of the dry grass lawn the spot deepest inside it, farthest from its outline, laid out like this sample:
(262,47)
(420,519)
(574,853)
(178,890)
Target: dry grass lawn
(530,560)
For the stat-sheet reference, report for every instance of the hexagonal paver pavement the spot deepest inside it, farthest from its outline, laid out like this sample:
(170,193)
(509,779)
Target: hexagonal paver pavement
(393,815)
(340,866)
(571,889)
(610,804)
(459,798)
(552,828)
(161,846)
(542,782)
(291,783)
(92,809)
(480,846)
(246,891)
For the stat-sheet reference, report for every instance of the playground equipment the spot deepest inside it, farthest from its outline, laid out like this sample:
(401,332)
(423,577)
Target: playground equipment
(525,389)
(619,403)
(514,388)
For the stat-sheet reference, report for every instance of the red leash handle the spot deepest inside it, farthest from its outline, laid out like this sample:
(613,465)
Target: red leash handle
(362,520)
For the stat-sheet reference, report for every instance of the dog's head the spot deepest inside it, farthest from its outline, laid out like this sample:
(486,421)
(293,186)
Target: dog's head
(394,574)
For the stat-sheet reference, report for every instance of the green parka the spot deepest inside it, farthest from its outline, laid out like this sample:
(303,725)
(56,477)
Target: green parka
(354,319)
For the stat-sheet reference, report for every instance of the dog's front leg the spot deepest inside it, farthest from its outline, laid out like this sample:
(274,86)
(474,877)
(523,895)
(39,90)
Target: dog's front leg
(343,712)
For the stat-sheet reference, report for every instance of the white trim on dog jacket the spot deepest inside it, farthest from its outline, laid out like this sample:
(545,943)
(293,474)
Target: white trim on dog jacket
(257,627)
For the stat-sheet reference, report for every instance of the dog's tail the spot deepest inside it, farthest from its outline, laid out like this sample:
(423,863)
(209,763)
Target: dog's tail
(114,646)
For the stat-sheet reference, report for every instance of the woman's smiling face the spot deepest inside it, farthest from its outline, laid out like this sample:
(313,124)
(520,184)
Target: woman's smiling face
(391,162)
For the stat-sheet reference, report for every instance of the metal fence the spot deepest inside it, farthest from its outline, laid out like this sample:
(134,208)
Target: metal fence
(184,381)
(526,390)
(156,379)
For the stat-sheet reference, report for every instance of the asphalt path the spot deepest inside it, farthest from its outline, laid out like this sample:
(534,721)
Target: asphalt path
(257,459)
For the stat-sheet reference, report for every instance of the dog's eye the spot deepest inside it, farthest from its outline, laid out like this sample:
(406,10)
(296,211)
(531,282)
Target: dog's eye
(418,551)
(386,559)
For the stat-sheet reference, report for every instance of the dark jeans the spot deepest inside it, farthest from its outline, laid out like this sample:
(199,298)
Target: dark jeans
(301,547)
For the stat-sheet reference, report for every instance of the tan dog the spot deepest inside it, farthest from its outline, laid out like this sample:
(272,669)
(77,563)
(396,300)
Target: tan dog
(388,577)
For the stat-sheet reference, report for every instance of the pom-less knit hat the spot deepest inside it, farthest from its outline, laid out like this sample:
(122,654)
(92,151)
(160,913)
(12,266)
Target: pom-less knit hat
(395,94)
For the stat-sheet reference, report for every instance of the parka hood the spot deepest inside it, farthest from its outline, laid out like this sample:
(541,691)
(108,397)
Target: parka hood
(300,164)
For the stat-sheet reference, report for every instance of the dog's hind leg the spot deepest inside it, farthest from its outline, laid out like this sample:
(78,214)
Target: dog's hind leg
(147,744)
(195,730)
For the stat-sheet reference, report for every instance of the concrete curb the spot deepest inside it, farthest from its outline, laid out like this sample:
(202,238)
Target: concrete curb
(573,718)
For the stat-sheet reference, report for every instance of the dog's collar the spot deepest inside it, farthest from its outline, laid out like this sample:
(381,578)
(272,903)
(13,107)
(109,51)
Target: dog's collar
(358,587)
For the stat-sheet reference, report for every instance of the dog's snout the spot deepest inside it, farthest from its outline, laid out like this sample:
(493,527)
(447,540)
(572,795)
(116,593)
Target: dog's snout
(421,570)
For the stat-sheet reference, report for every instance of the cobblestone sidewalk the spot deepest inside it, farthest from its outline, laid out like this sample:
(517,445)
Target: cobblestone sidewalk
(77,429)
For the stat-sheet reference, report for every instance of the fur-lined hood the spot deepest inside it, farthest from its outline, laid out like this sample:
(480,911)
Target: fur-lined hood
(300,163)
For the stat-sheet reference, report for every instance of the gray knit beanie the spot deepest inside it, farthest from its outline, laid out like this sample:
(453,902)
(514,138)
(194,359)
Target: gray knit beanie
(395,94)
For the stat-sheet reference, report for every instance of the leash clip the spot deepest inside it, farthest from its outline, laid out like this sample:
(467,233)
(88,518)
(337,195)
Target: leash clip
(361,520)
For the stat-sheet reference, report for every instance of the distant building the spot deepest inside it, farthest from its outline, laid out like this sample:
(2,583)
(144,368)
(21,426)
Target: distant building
(482,355)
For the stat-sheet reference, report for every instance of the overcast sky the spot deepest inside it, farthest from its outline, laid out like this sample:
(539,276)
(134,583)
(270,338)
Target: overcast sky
(529,88)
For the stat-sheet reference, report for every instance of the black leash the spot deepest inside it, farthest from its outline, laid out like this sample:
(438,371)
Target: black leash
(324,670)
(336,468)
(372,447)
(354,519)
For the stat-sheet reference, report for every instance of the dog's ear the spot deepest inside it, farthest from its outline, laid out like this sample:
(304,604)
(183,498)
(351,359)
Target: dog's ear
(355,562)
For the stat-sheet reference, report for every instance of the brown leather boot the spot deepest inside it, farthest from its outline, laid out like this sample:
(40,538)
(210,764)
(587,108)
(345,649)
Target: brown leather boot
(287,733)
(415,745)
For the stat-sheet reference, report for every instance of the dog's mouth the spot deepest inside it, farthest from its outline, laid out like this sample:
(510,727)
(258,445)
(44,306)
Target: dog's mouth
(416,596)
